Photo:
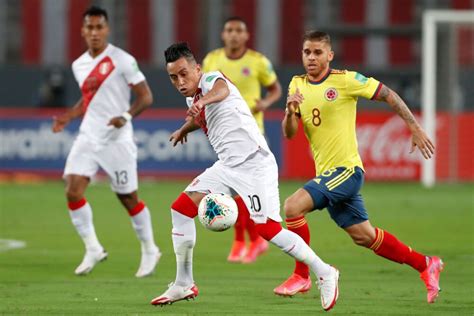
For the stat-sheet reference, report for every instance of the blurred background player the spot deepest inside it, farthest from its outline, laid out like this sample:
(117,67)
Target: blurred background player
(106,75)
(325,101)
(249,71)
(245,166)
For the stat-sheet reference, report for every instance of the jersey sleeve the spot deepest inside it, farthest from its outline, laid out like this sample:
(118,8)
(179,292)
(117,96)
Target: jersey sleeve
(266,73)
(209,79)
(131,72)
(359,85)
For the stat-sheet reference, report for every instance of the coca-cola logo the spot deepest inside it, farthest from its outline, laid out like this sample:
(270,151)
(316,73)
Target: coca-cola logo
(389,142)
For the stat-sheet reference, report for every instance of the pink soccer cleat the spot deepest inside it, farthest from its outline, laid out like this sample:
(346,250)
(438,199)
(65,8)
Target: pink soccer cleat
(176,293)
(293,285)
(431,278)
(237,252)
(256,248)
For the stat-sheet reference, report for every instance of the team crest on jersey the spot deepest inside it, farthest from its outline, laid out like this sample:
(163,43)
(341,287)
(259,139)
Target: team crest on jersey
(330,94)
(246,71)
(104,68)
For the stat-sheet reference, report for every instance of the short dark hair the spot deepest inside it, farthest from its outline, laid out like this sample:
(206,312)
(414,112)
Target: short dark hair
(235,18)
(178,50)
(317,36)
(95,11)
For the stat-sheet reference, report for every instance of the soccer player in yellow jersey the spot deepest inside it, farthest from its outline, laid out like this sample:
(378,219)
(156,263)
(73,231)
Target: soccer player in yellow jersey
(249,71)
(325,101)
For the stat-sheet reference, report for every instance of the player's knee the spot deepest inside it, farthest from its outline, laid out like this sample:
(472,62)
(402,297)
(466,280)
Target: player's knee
(362,240)
(74,194)
(292,209)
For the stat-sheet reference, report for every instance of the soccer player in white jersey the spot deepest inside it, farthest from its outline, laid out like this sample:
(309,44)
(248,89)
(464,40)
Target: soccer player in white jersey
(245,166)
(106,75)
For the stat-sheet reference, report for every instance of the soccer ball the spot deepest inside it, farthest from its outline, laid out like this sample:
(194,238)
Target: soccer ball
(217,212)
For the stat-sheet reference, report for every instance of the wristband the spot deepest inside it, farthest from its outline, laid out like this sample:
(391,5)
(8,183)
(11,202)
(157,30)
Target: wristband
(127,116)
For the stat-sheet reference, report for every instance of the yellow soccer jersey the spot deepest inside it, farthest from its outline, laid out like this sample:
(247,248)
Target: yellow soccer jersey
(328,113)
(248,73)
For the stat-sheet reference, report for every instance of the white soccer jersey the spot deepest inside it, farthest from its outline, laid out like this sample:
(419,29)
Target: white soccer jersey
(104,82)
(229,124)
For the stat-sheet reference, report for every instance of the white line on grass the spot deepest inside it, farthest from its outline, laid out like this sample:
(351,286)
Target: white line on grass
(9,244)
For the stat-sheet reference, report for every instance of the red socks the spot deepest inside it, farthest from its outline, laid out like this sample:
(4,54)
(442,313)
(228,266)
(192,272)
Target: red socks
(137,209)
(299,226)
(388,246)
(76,205)
(239,226)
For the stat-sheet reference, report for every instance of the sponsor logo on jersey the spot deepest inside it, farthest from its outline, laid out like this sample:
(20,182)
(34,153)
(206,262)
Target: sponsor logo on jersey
(246,71)
(330,94)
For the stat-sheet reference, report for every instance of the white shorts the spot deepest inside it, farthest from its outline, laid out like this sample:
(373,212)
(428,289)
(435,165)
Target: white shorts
(255,180)
(117,159)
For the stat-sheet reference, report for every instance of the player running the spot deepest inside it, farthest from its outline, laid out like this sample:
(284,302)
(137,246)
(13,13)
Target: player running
(325,101)
(105,75)
(249,71)
(245,166)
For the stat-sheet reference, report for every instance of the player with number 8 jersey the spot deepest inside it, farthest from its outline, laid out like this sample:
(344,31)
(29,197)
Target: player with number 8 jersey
(325,101)
(106,76)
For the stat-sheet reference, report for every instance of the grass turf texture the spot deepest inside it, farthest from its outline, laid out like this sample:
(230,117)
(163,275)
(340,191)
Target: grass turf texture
(39,279)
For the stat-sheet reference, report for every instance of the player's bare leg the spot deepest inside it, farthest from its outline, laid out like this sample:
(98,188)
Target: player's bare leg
(388,246)
(141,222)
(81,217)
(183,211)
(296,206)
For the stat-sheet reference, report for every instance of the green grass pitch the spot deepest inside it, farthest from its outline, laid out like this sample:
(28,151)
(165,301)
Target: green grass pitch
(39,279)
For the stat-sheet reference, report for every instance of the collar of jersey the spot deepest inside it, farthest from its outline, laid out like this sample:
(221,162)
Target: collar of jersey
(101,54)
(322,79)
(238,58)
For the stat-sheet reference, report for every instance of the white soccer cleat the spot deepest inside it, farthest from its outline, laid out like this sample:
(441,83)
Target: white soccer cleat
(148,263)
(91,258)
(176,293)
(329,288)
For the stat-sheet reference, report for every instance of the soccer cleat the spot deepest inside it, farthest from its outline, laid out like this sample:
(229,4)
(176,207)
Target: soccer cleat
(293,285)
(256,248)
(237,252)
(176,293)
(148,263)
(329,288)
(431,278)
(91,258)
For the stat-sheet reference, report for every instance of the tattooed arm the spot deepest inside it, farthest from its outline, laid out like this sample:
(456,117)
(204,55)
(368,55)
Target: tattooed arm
(419,137)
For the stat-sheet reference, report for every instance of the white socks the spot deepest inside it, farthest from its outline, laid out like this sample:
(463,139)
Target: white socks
(295,246)
(184,239)
(141,222)
(82,220)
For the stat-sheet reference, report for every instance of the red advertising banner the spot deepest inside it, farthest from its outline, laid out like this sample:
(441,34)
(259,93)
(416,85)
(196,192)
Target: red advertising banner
(384,145)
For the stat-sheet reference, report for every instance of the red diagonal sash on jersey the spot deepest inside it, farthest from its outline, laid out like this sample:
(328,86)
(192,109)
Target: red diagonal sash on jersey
(200,119)
(95,79)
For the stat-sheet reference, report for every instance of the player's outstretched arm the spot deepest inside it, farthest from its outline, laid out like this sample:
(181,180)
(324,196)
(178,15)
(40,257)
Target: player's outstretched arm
(181,134)
(219,92)
(143,100)
(60,122)
(290,121)
(273,95)
(419,137)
